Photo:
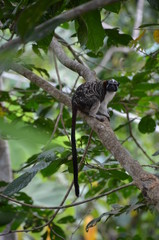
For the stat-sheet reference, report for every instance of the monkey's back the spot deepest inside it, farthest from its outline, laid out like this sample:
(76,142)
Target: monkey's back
(87,94)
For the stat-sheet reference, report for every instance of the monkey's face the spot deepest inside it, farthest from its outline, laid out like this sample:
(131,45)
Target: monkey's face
(112,85)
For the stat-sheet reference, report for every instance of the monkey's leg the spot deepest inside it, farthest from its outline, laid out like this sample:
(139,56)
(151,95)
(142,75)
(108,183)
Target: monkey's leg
(104,111)
(94,109)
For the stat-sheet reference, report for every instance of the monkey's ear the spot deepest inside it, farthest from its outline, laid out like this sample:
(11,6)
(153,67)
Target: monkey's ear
(105,83)
(118,84)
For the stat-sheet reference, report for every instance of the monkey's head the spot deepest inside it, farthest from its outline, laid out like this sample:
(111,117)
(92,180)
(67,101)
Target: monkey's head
(112,85)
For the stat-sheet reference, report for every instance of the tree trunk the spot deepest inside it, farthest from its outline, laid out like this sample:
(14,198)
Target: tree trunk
(5,175)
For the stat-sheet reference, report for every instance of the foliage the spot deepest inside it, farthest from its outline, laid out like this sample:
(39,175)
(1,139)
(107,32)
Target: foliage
(37,127)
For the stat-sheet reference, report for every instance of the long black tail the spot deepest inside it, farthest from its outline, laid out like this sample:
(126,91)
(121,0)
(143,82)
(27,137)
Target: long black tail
(74,151)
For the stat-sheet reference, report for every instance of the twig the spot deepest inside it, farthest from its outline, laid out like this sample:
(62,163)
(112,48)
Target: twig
(80,165)
(61,105)
(74,85)
(61,108)
(101,168)
(69,47)
(56,125)
(134,139)
(57,71)
(63,207)
(64,128)
(108,56)
(79,224)
(71,64)
(85,151)
(48,87)
(55,233)
(122,142)
(150,166)
(69,205)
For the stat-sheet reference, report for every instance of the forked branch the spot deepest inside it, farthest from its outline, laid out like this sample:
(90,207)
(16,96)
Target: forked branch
(146,182)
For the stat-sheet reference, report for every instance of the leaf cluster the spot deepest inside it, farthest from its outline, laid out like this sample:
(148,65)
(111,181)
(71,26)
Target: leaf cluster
(29,116)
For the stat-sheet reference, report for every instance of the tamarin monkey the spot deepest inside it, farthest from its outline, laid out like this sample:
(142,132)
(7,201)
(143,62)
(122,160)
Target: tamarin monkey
(92,99)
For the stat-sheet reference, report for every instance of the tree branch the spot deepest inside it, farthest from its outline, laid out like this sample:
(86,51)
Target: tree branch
(146,182)
(50,25)
(68,205)
(71,64)
(60,96)
(59,207)
(108,55)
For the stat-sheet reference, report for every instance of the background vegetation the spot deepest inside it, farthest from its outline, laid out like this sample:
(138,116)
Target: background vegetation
(118,40)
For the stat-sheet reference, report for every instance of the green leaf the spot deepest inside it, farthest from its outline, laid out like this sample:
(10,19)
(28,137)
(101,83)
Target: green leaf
(112,199)
(156,153)
(67,219)
(119,174)
(147,125)
(20,218)
(21,196)
(6,58)
(54,161)
(122,79)
(151,64)
(42,72)
(123,125)
(113,7)
(141,77)
(31,15)
(19,183)
(39,166)
(113,212)
(154,4)
(44,43)
(95,189)
(4,96)
(47,156)
(52,168)
(148,25)
(58,230)
(95,31)
(93,55)
(82,31)
(115,38)
(7,214)
(36,50)
(3,184)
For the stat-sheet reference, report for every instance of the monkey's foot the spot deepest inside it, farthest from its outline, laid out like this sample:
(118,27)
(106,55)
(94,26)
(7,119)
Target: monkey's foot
(102,118)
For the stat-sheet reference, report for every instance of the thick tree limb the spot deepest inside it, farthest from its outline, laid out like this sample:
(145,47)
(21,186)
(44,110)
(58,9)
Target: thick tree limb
(61,97)
(146,182)
(71,64)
